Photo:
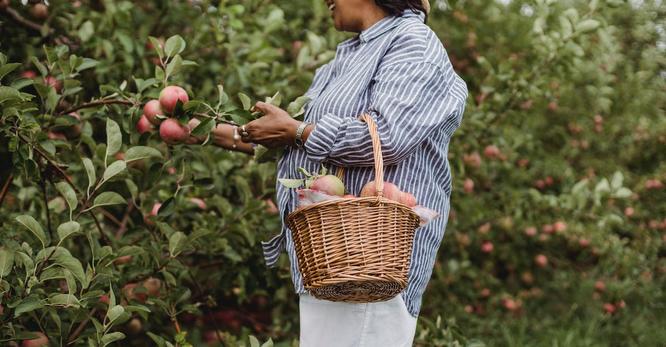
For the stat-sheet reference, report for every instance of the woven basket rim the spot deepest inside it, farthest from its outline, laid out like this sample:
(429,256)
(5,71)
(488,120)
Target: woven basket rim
(372,199)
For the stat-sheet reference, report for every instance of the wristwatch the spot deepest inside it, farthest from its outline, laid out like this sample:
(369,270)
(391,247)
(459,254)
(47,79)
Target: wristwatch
(298,141)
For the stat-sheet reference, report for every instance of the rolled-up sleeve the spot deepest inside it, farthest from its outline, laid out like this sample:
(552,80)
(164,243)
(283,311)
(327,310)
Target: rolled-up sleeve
(409,101)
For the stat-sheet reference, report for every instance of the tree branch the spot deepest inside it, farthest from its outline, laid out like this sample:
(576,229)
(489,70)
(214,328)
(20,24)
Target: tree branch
(5,188)
(25,22)
(55,166)
(79,329)
(98,103)
(123,224)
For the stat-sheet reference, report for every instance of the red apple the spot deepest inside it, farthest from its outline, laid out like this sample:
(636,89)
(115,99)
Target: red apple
(270,206)
(487,247)
(170,95)
(153,213)
(143,125)
(329,184)
(39,11)
(491,152)
(104,299)
(53,82)
(599,286)
(609,308)
(408,199)
(134,326)
(468,186)
(122,260)
(172,132)
(129,291)
(472,159)
(151,110)
(40,341)
(391,191)
(28,74)
(153,286)
(541,260)
(530,231)
(559,226)
(199,202)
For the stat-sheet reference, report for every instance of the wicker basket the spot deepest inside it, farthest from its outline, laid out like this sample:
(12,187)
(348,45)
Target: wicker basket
(355,249)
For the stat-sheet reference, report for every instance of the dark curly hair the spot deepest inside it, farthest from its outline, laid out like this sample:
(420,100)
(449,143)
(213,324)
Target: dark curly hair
(397,7)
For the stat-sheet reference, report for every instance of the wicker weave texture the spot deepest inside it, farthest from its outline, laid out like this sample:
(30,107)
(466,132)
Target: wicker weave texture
(356,249)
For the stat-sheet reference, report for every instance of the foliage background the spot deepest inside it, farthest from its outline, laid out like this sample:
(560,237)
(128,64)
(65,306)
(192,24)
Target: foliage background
(557,232)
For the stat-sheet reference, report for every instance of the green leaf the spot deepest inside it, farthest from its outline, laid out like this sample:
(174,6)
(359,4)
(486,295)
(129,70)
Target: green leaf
(28,304)
(616,181)
(295,108)
(291,183)
(6,261)
(9,94)
(587,25)
(623,193)
(32,225)
(174,45)
(114,312)
(7,68)
(223,98)
(268,343)
(204,128)
(108,198)
(112,337)
(174,65)
(67,229)
(86,31)
(141,152)
(90,171)
(254,342)
(115,168)
(157,46)
(68,193)
(177,242)
(275,100)
(245,100)
(67,300)
(114,138)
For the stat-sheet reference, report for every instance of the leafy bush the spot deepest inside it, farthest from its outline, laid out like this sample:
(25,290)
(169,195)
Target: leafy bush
(556,231)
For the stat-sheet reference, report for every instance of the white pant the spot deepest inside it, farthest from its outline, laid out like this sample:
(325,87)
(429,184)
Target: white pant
(341,324)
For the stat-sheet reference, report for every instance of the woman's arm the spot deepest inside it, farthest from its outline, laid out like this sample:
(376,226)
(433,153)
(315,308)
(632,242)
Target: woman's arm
(409,102)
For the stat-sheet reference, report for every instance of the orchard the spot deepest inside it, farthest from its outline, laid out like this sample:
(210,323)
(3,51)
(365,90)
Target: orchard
(124,224)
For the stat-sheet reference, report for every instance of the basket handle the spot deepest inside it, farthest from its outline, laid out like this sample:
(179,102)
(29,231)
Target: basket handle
(377,151)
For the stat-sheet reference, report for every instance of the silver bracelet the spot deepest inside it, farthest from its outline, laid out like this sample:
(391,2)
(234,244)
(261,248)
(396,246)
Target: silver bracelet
(298,141)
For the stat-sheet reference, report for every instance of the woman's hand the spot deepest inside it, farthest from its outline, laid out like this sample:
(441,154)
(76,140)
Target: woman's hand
(276,128)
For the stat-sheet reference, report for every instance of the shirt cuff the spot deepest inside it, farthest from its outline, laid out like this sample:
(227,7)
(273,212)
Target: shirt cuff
(320,142)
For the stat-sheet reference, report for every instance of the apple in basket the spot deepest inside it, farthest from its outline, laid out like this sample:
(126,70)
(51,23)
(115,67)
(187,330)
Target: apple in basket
(329,184)
(391,192)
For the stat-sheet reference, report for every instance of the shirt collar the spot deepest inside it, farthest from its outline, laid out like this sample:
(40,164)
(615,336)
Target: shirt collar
(387,23)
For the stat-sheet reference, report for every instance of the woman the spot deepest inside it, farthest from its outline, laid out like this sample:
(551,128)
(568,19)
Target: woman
(397,71)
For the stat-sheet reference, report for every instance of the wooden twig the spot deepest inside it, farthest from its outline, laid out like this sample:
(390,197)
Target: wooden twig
(5,188)
(25,22)
(42,183)
(55,166)
(79,329)
(98,103)
(123,224)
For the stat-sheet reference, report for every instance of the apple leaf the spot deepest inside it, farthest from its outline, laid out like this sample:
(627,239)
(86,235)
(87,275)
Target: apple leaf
(31,224)
(291,183)
(141,152)
(245,100)
(114,138)
(67,229)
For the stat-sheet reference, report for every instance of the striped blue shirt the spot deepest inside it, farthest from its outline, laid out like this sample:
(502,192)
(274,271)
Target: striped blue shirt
(399,72)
